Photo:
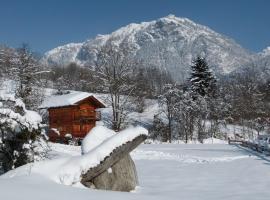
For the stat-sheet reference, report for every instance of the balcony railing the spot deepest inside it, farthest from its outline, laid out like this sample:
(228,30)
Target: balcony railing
(93,115)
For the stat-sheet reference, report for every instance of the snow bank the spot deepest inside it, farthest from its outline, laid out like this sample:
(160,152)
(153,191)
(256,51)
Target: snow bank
(205,141)
(68,171)
(214,141)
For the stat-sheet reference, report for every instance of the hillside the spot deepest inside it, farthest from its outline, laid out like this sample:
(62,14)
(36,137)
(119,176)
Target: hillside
(258,67)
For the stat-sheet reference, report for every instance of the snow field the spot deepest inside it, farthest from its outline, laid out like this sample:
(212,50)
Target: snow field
(166,171)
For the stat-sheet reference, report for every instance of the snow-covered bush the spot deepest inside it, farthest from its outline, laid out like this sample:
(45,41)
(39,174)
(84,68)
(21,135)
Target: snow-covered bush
(21,137)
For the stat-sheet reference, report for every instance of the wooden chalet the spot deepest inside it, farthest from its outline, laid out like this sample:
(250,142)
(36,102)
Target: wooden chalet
(71,115)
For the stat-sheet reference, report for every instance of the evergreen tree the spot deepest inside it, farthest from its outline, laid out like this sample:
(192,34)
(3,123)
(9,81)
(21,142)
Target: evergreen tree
(204,93)
(21,138)
(159,131)
(202,81)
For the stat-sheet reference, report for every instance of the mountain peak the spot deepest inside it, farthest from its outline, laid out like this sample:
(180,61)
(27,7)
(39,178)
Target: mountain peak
(172,17)
(169,43)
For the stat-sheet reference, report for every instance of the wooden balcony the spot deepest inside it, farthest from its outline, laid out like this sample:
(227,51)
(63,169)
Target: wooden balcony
(92,115)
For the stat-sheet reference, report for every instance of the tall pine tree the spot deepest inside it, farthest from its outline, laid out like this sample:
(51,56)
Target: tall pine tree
(204,92)
(202,81)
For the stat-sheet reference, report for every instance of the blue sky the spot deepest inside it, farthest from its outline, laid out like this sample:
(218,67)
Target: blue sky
(45,24)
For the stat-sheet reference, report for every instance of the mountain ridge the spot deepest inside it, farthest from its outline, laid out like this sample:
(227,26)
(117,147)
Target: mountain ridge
(169,43)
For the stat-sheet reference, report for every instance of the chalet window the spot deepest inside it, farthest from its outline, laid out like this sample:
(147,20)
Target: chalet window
(84,111)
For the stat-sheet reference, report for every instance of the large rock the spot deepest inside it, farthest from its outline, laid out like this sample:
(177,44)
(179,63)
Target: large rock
(117,171)
(122,176)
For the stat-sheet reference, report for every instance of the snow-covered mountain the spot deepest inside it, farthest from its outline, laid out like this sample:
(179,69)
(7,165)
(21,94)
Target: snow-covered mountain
(169,43)
(259,66)
(63,55)
(262,64)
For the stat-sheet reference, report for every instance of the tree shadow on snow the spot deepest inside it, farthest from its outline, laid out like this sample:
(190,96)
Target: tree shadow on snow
(259,156)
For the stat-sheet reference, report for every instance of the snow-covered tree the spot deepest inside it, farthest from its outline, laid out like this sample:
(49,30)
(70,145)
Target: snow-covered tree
(247,99)
(21,138)
(159,130)
(25,70)
(202,81)
(114,69)
(6,55)
(142,89)
(185,116)
(167,102)
(203,89)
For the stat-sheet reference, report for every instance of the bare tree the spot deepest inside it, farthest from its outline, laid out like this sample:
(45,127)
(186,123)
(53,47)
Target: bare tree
(6,55)
(114,68)
(26,70)
(168,101)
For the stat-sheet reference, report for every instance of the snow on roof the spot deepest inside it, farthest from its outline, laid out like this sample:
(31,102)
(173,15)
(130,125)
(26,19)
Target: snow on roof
(66,99)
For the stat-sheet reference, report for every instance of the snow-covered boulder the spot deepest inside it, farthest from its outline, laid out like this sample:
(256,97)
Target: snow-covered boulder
(122,176)
(95,137)
(117,170)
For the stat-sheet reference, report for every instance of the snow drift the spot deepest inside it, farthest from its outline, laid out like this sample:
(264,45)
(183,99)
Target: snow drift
(68,171)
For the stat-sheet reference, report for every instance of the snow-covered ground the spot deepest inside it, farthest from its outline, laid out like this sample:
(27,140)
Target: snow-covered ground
(166,171)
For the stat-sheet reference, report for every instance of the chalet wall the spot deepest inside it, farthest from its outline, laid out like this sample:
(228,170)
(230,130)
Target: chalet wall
(76,120)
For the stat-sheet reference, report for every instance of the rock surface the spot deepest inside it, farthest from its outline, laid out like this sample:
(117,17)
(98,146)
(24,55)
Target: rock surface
(122,176)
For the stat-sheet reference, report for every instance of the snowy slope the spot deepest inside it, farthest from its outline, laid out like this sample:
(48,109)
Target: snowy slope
(258,66)
(62,55)
(169,43)
(171,172)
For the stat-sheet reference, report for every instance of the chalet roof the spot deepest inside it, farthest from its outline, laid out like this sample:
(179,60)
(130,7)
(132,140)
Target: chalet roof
(69,99)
